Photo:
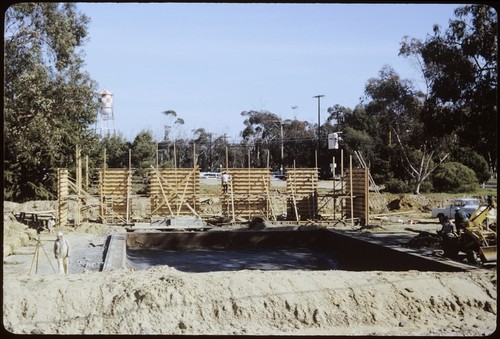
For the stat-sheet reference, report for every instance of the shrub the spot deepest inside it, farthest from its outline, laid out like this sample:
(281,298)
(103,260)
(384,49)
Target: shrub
(397,186)
(453,177)
(426,187)
(474,161)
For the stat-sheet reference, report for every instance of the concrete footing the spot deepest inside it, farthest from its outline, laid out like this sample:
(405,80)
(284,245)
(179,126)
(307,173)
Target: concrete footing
(360,255)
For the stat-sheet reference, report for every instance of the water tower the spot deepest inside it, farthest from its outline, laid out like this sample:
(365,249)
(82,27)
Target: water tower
(106,117)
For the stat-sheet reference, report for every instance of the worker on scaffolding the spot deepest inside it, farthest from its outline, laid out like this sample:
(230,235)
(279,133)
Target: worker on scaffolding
(225,181)
(61,252)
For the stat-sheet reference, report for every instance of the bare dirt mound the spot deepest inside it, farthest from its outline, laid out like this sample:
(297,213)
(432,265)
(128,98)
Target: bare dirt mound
(410,202)
(162,300)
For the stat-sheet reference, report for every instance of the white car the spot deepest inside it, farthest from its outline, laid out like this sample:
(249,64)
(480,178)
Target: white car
(210,175)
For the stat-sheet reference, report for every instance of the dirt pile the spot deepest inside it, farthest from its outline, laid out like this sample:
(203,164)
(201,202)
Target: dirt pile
(15,234)
(427,240)
(162,300)
(410,202)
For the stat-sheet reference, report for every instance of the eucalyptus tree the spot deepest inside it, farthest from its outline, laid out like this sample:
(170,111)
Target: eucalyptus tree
(262,131)
(203,143)
(299,143)
(168,146)
(398,106)
(172,121)
(50,103)
(459,65)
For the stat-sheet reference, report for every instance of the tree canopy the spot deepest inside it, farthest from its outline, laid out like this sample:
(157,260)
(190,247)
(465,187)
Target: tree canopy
(49,102)
(409,138)
(460,68)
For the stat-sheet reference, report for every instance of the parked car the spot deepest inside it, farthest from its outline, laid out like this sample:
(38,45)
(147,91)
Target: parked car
(210,175)
(468,205)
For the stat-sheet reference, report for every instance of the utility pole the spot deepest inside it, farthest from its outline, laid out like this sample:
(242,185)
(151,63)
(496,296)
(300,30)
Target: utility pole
(275,122)
(319,122)
(282,151)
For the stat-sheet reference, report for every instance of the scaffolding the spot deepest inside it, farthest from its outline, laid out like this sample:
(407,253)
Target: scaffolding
(173,192)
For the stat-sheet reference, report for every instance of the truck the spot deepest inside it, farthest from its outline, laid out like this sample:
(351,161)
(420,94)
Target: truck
(468,205)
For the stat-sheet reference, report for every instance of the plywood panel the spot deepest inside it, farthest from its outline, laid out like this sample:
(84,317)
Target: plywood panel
(174,190)
(360,192)
(115,186)
(247,193)
(302,192)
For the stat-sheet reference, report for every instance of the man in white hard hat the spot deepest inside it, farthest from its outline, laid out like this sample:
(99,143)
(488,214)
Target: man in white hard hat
(61,252)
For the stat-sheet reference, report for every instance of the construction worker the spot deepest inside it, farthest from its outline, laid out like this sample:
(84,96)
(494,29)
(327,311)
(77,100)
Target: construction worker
(449,239)
(447,226)
(225,180)
(460,219)
(51,223)
(61,252)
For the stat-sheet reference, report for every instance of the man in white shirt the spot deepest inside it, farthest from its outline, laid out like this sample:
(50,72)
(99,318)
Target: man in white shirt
(61,252)
(225,180)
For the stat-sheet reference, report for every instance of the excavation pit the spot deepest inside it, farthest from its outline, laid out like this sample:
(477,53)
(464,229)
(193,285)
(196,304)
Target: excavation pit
(319,249)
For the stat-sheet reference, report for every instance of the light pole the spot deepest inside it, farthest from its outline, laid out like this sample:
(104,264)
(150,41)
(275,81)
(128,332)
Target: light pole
(319,121)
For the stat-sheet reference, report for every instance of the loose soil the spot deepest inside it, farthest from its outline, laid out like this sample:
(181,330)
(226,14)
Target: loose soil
(162,300)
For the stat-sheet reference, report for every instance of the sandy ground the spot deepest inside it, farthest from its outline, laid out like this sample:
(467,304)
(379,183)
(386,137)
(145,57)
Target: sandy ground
(162,300)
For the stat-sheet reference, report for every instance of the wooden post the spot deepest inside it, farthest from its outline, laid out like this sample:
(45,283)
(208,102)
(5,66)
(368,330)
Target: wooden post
(232,199)
(182,198)
(333,176)
(62,197)
(194,154)
(316,159)
(269,198)
(342,170)
(129,181)
(101,185)
(313,198)
(87,172)
(351,193)
(78,185)
(227,159)
(292,183)
(248,184)
(175,156)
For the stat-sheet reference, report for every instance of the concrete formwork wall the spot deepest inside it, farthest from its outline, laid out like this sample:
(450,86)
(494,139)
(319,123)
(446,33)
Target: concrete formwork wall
(114,193)
(302,193)
(62,196)
(360,192)
(248,193)
(174,191)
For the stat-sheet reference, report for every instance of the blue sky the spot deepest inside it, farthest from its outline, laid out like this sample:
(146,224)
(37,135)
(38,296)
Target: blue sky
(210,62)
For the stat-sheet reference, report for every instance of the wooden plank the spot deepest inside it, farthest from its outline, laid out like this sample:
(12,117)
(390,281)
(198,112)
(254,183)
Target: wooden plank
(175,180)
(62,197)
(249,196)
(360,183)
(302,186)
